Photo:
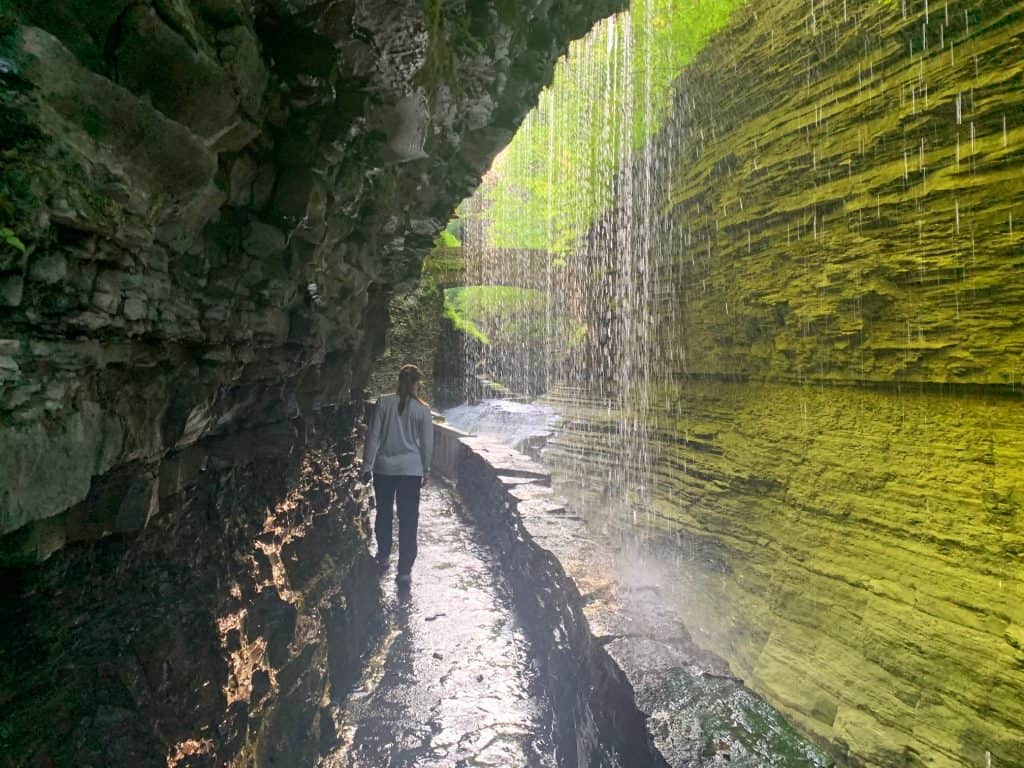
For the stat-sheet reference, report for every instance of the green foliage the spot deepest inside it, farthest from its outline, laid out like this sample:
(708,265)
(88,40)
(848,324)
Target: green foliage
(455,229)
(11,239)
(443,262)
(447,240)
(445,265)
(502,314)
(495,312)
(460,322)
(609,94)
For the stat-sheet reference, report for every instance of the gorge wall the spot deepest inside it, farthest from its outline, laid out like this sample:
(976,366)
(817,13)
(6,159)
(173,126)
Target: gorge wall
(217,199)
(835,404)
(206,207)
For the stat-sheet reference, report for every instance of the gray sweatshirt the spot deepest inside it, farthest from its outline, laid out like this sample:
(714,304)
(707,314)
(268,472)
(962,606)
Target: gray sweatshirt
(399,443)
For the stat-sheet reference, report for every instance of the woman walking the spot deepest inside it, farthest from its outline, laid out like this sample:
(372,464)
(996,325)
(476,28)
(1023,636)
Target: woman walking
(399,447)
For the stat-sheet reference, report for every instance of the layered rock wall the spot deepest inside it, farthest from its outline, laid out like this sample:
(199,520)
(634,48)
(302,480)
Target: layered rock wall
(854,555)
(205,209)
(225,633)
(844,197)
(832,441)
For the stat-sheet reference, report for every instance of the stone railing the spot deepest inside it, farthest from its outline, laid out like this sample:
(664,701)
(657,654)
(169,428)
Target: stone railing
(448,449)
(597,720)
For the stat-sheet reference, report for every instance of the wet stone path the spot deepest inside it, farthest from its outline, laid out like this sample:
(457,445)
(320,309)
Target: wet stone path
(453,683)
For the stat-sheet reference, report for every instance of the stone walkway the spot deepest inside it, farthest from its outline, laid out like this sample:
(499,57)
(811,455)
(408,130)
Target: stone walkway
(453,683)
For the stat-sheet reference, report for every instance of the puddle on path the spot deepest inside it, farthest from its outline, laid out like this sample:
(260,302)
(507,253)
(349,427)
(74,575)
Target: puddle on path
(453,683)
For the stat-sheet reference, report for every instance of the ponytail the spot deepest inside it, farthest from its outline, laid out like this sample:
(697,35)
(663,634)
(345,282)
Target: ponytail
(407,377)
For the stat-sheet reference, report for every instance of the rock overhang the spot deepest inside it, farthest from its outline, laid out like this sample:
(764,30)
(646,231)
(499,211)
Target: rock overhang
(182,173)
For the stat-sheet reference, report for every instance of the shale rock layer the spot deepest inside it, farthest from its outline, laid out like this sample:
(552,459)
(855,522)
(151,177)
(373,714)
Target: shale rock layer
(205,209)
(844,196)
(854,555)
(833,418)
(218,634)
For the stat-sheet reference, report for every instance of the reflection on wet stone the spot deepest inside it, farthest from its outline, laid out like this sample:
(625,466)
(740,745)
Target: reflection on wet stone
(452,682)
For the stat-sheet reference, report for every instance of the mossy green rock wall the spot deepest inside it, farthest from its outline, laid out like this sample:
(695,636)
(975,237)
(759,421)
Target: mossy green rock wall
(856,555)
(837,442)
(845,192)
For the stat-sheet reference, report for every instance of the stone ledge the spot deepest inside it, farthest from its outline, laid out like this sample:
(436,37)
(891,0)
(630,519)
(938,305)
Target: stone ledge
(508,494)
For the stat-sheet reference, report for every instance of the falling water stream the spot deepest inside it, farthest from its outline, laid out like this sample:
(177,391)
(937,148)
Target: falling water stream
(760,257)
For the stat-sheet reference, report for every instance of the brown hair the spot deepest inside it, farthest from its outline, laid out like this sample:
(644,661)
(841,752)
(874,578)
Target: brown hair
(407,376)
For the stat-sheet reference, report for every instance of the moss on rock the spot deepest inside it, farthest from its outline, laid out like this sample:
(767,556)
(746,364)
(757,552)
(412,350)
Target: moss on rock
(855,554)
(832,438)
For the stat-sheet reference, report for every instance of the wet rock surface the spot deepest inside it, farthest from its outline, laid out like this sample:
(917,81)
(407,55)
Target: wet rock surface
(699,711)
(852,553)
(454,682)
(211,634)
(216,202)
(597,720)
(206,206)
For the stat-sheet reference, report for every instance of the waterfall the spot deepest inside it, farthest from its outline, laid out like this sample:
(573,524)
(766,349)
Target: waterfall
(577,245)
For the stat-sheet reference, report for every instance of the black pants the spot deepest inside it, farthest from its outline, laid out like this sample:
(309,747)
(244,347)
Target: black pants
(407,489)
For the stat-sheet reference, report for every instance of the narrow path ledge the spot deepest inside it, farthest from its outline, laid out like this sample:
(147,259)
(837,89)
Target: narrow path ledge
(611,654)
(453,682)
(597,721)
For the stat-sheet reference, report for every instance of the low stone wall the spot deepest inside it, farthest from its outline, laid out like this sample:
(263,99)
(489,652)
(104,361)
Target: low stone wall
(448,449)
(611,645)
(501,487)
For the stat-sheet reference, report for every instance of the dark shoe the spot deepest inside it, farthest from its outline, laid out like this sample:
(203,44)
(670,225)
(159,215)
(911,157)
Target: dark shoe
(381,561)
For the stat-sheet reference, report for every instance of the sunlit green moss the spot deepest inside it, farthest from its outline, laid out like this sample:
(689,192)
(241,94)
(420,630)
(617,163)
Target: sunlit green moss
(837,221)
(499,313)
(855,554)
(609,95)
(849,520)
(454,309)
(447,240)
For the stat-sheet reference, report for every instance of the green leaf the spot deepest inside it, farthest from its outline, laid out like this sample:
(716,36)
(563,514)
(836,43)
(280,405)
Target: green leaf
(11,239)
